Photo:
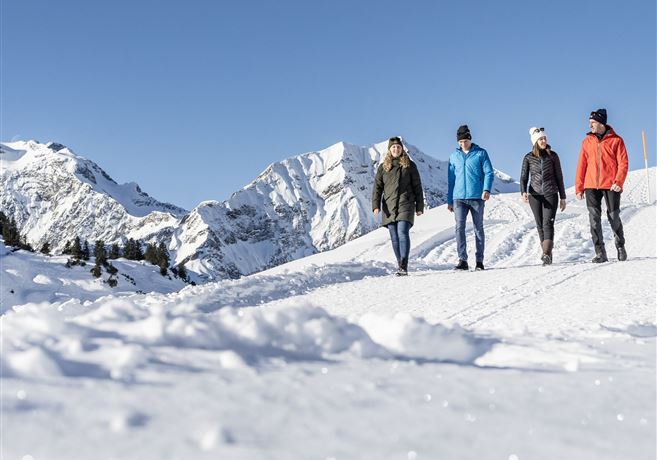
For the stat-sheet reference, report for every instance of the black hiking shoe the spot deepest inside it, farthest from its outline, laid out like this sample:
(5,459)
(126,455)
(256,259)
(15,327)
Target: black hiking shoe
(622,254)
(479,266)
(402,268)
(547,259)
(462,265)
(600,259)
(600,255)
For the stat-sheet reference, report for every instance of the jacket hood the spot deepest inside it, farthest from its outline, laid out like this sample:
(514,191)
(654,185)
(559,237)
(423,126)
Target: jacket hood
(473,148)
(610,133)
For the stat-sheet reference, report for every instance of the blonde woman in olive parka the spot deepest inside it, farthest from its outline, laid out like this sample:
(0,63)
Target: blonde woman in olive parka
(398,197)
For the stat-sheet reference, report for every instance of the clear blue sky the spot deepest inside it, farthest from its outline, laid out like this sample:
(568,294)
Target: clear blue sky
(194,99)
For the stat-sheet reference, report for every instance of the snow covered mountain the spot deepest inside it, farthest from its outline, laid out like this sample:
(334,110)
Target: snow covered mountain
(297,207)
(55,195)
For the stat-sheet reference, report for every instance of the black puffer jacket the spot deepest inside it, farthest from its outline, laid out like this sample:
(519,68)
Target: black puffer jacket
(546,174)
(398,193)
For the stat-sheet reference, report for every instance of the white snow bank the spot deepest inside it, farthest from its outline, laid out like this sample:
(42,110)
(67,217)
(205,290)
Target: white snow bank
(121,337)
(413,337)
(277,284)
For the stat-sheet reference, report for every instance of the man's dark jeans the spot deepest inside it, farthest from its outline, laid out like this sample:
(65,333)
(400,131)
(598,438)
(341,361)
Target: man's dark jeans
(461,209)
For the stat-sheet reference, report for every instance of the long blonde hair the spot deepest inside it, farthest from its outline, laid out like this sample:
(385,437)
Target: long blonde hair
(404,160)
(536,151)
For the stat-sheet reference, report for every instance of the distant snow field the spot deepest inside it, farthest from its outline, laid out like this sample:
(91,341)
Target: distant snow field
(331,357)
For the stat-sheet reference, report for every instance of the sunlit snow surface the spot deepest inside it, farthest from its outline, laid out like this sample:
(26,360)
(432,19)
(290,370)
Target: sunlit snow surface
(331,357)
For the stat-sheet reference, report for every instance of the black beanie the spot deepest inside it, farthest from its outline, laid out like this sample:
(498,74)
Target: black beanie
(599,115)
(395,140)
(463,133)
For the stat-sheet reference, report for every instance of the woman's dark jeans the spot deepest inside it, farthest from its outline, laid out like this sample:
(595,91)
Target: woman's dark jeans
(401,242)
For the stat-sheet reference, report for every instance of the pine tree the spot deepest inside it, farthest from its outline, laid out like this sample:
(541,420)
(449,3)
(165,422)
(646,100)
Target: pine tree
(76,250)
(10,233)
(100,253)
(111,269)
(162,255)
(151,254)
(182,271)
(15,236)
(85,251)
(128,250)
(45,249)
(112,282)
(67,248)
(163,258)
(138,252)
(96,271)
(115,252)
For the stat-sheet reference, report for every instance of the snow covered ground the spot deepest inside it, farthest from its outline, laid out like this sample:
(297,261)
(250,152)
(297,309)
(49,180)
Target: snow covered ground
(34,278)
(330,357)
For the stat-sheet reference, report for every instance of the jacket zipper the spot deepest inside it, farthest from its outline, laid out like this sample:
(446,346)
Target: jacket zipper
(399,179)
(465,173)
(542,176)
(597,179)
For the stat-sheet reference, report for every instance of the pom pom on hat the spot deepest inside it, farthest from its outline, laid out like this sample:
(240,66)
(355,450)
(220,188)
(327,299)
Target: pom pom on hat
(536,133)
(463,133)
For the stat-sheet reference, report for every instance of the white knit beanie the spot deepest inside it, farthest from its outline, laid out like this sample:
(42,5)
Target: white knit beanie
(536,133)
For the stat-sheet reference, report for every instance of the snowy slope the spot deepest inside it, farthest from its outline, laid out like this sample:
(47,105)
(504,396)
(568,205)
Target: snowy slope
(35,278)
(330,357)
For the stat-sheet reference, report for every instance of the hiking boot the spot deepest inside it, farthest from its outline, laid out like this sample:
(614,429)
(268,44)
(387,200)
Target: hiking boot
(403,264)
(600,255)
(479,266)
(547,259)
(546,245)
(462,265)
(622,254)
(600,258)
(403,268)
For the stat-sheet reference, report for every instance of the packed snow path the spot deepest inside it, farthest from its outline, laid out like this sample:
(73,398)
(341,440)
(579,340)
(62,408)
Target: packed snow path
(332,357)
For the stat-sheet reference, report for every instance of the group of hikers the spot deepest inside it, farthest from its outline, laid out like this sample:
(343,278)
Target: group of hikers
(601,171)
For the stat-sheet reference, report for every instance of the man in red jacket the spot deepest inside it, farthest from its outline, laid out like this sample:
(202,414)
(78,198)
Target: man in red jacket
(601,173)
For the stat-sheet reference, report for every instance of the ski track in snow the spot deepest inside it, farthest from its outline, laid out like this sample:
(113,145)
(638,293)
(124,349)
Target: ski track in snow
(320,357)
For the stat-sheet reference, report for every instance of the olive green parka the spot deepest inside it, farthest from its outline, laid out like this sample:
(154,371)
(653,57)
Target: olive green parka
(398,193)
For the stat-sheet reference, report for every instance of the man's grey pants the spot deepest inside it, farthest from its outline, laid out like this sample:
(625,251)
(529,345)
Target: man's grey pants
(594,205)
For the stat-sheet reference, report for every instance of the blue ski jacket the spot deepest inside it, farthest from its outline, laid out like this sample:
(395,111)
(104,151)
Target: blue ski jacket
(469,175)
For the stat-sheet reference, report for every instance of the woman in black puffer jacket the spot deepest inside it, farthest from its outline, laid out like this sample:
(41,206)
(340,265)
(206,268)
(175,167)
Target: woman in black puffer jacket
(546,190)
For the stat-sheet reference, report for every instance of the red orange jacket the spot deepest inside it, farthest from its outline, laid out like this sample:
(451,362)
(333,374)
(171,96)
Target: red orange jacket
(602,163)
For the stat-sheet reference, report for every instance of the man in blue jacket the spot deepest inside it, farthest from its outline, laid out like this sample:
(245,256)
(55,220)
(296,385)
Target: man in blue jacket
(470,180)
